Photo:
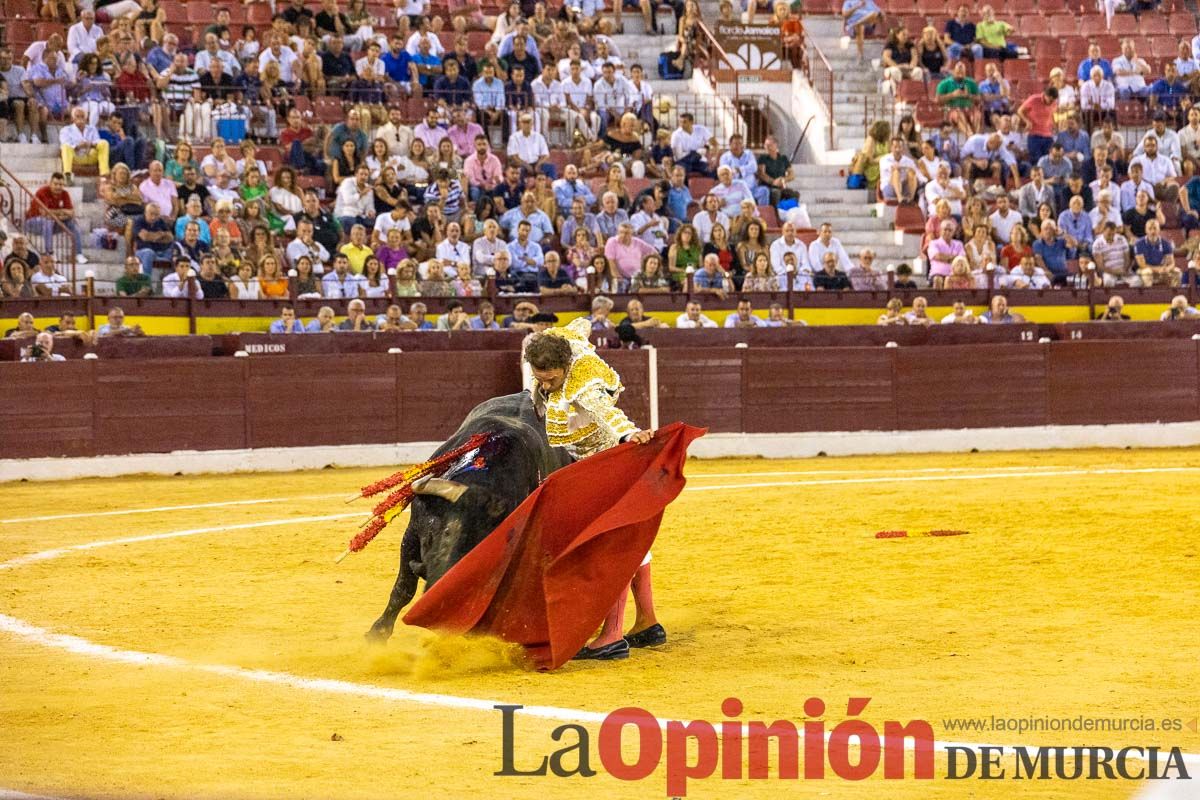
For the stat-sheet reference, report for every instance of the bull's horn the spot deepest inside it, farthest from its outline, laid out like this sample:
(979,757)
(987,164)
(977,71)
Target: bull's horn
(440,487)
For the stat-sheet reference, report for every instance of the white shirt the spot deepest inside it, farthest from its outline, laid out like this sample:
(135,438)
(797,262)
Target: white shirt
(682,321)
(655,236)
(1098,218)
(779,248)
(733,319)
(363,67)
(297,248)
(82,40)
(245,291)
(641,94)
(1092,96)
(398,137)
(204,60)
(285,60)
(1155,170)
(950,318)
(350,203)
(1169,144)
(617,96)
(528,148)
(580,92)
(458,252)
(1136,64)
(435,44)
(334,288)
(817,251)
(1003,226)
(71,136)
(683,142)
(386,222)
(173,286)
(56,282)
(547,96)
(889,163)
(704,224)
(585,70)
(934,191)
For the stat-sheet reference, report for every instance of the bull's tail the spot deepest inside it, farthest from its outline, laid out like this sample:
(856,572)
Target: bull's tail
(402,591)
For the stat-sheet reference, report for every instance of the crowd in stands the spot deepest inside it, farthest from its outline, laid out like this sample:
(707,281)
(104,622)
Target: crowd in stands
(1044,189)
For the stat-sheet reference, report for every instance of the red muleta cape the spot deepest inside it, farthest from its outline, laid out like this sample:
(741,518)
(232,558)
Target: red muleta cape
(548,575)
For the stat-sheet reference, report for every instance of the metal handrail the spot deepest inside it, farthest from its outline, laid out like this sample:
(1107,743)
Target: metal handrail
(819,73)
(15,202)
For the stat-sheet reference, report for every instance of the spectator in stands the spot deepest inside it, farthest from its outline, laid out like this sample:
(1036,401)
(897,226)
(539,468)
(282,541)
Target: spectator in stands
(993,35)
(942,252)
(649,225)
(1115,310)
(323,323)
(898,174)
(829,278)
(826,242)
(959,95)
(994,92)
(1179,309)
(1130,71)
(711,278)
(1003,221)
(692,144)
(1034,193)
(356,317)
(80,143)
(1142,212)
(212,284)
(526,146)
(744,167)
(1185,63)
(1094,59)
(541,228)
(744,317)
(759,275)
(1037,112)
(1105,211)
(116,325)
(161,191)
(904,277)
(181,282)
(1097,97)
(50,82)
(45,281)
(25,327)
(42,349)
(340,282)
(14,109)
(900,60)
(1056,168)
(1110,251)
(931,53)
(1170,94)
(16,281)
(864,277)
(787,243)
(960,315)
(919,315)
(893,313)
(692,317)
(355,200)
(998,313)
(857,17)
(943,187)
(133,283)
(1154,258)
(287,322)
(1050,253)
(526,257)
(1076,227)
(984,155)
(52,206)
(960,36)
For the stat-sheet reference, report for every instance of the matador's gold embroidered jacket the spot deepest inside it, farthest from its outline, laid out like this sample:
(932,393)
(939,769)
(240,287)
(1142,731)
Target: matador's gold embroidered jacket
(582,416)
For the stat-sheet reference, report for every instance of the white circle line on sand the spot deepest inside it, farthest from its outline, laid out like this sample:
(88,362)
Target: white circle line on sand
(159,509)
(83,647)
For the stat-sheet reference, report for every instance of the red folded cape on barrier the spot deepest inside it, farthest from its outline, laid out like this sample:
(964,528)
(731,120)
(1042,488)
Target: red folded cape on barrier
(547,576)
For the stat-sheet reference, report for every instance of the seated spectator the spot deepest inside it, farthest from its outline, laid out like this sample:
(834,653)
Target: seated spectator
(191,246)
(1154,258)
(1130,71)
(213,285)
(898,174)
(304,244)
(601,308)
(993,34)
(133,283)
(116,325)
(553,279)
(893,313)
(355,203)
(1003,221)
(875,146)
(182,282)
(1115,310)
(788,243)
(1076,227)
(1142,213)
(829,278)
(995,92)
(864,277)
(323,322)
(826,242)
(627,252)
(960,36)
(651,278)
(526,257)
(692,317)
(16,279)
(649,226)
(692,144)
(711,278)
(998,313)
(904,277)
(1050,253)
(1157,169)
(960,315)
(744,317)
(1179,309)
(42,349)
(1110,251)
(744,167)
(1056,168)
(52,207)
(943,187)
(80,143)
(919,315)
(1105,211)
(25,327)
(942,252)
(339,282)
(774,172)
(1097,97)
(1170,94)
(1093,61)
(900,60)
(287,322)
(760,276)
(984,155)
(959,95)
(1034,194)
(356,317)
(540,227)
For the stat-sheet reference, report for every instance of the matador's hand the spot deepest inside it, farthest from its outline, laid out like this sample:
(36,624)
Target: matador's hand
(641,437)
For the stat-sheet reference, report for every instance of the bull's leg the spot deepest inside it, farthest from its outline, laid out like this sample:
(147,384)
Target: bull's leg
(403,590)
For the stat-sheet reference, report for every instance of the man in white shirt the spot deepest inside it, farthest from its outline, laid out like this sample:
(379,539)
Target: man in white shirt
(827,243)
(730,192)
(355,203)
(548,98)
(985,154)
(898,174)
(745,168)
(1003,220)
(789,242)
(1157,169)
(81,143)
(709,215)
(1105,211)
(452,251)
(692,318)
(690,144)
(1169,144)
(527,146)
(396,218)
(305,245)
(612,95)
(82,36)
(396,134)
(1130,72)
(46,281)
(943,187)
(212,50)
(423,33)
(649,225)
(1097,94)
(577,94)
(340,282)
(176,284)
(279,53)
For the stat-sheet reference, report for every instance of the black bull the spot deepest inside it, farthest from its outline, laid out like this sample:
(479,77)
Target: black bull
(451,515)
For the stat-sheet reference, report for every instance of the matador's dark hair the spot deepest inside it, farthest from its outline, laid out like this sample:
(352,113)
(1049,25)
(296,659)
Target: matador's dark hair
(546,351)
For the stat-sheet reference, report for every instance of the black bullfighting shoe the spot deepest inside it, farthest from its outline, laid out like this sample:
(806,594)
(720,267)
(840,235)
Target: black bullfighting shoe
(648,637)
(609,652)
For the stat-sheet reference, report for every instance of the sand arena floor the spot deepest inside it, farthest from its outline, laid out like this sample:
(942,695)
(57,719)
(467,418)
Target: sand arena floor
(218,653)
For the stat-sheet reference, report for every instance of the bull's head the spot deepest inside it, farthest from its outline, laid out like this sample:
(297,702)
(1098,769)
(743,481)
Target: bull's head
(448,531)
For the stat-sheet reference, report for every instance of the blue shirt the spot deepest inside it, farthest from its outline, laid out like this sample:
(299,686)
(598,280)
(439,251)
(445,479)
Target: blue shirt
(278,327)
(455,93)
(531,47)
(159,59)
(744,166)
(519,253)
(1156,253)
(678,201)
(1078,229)
(1080,142)
(429,60)
(1054,254)
(566,191)
(488,95)
(1084,73)
(703,279)
(396,67)
(539,225)
(961,32)
(1169,94)
(181,224)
